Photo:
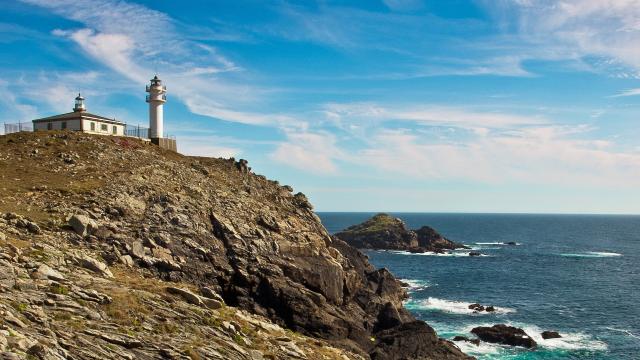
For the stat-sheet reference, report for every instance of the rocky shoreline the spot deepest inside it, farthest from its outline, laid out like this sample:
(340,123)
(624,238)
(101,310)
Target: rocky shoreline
(114,247)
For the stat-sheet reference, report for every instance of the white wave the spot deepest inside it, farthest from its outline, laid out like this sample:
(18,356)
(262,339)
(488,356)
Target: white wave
(478,248)
(592,254)
(430,253)
(452,307)
(478,350)
(497,243)
(416,285)
(568,341)
(626,332)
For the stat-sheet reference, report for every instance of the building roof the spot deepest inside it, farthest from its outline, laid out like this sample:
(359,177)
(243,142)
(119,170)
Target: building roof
(76,115)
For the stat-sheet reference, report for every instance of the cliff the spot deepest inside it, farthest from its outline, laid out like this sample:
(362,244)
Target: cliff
(114,248)
(386,232)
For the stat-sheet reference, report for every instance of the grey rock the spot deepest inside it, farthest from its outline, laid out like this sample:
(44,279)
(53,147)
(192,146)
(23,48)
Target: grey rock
(96,266)
(82,225)
(209,293)
(187,295)
(127,260)
(137,249)
(45,272)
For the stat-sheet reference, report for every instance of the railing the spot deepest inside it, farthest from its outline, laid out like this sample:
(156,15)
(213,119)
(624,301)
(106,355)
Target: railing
(136,131)
(147,88)
(17,127)
(164,97)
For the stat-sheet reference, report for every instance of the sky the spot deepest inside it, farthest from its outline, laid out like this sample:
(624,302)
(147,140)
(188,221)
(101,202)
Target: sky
(374,105)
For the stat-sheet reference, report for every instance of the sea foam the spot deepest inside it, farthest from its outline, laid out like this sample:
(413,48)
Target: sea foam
(429,253)
(591,254)
(496,243)
(568,341)
(416,285)
(452,307)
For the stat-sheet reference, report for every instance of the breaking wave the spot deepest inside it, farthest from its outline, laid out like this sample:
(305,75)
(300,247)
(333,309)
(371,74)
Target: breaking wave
(416,285)
(458,253)
(452,307)
(568,341)
(591,254)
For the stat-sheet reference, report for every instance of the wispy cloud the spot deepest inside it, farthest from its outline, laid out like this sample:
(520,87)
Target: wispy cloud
(585,28)
(429,115)
(314,152)
(630,92)
(117,35)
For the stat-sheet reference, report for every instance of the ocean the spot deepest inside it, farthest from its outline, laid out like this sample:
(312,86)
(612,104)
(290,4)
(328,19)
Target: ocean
(575,274)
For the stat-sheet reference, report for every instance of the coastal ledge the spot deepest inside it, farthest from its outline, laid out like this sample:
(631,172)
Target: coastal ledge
(167,254)
(385,232)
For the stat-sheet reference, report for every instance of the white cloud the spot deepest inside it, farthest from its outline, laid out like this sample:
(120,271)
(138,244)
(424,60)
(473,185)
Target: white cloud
(312,152)
(131,39)
(16,111)
(191,148)
(630,92)
(601,28)
(428,115)
(531,156)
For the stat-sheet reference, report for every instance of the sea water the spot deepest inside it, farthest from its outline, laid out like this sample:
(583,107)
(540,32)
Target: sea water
(575,274)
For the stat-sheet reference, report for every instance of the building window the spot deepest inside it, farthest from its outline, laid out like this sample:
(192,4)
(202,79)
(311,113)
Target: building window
(49,126)
(93,126)
(104,127)
(115,130)
(63,125)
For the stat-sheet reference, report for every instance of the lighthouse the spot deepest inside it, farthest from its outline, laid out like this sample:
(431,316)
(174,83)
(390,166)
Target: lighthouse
(156,99)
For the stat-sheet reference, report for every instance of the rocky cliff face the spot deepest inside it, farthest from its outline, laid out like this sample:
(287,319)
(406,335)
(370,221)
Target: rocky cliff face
(386,232)
(119,247)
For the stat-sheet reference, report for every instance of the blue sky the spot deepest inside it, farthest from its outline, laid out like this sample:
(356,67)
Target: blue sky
(390,105)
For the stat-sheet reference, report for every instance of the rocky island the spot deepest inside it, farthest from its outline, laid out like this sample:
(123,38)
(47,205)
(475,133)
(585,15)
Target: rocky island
(114,248)
(385,232)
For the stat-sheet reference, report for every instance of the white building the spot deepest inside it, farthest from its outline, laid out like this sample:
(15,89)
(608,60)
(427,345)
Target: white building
(81,120)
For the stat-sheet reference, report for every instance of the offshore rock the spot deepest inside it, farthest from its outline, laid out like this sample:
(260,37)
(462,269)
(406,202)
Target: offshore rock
(504,334)
(386,232)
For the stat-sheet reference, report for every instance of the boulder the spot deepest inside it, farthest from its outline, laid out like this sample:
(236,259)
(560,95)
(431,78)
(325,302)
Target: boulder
(490,309)
(44,272)
(187,295)
(96,266)
(127,260)
(476,307)
(138,249)
(504,334)
(476,342)
(474,253)
(550,335)
(82,225)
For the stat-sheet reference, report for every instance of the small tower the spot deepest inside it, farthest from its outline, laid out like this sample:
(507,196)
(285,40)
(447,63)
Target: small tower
(79,107)
(156,99)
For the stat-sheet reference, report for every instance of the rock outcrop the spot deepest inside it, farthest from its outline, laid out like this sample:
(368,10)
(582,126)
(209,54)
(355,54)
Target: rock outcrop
(504,334)
(385,232)
(134,251)
(550,335)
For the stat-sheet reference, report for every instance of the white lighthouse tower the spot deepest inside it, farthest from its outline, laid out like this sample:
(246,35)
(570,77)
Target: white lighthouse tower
(156,99)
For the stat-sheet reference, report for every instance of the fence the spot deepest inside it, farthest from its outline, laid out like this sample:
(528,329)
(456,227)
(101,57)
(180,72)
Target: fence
(17,127)
(136,131)
(129,130)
